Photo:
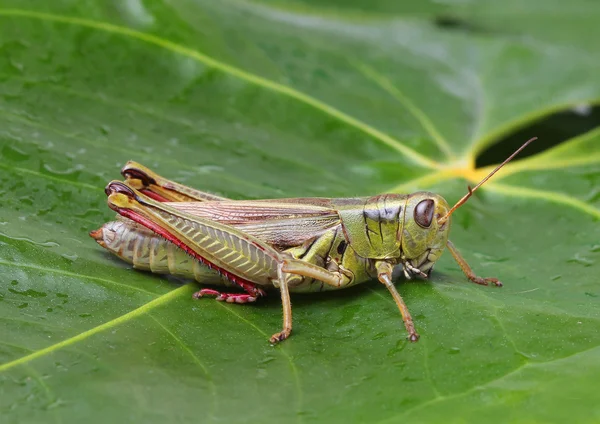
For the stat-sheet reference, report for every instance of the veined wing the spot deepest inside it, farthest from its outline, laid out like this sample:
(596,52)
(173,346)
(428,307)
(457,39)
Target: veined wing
(279,222)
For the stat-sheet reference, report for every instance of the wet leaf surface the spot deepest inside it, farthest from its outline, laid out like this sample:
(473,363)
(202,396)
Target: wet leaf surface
(283,99)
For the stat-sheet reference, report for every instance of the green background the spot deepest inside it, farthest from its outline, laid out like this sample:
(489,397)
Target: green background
(282,98)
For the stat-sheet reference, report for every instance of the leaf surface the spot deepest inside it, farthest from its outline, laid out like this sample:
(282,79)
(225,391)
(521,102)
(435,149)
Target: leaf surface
(283,99)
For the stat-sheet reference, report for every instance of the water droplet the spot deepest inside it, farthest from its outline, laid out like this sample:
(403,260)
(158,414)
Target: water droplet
(401,344)
(14,154)
(26,200)
(85,315)
(68,171)
(70,256)
(63,296)
(209,169)
(487,259)
(349,313)
(595,248)
(594,196)
(591,294)
(105,129)
(261,373)
(137,12)
(454,350)
(578,259)
(56,404)
(28,293)
(49,310)
(23,305)
(378,336)
(28,240)
(266,360)
(556,277)
(90,213)
(17,65)
(14,282)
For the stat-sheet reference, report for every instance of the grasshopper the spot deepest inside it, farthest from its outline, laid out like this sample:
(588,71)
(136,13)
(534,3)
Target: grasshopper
(293,245)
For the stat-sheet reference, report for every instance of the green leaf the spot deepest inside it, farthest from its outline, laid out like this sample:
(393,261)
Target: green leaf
(287,98)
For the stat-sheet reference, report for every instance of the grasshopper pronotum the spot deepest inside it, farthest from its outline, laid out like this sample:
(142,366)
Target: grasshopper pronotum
(294,245)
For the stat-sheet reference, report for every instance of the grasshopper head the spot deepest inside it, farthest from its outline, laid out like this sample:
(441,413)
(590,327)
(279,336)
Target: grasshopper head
(427,222)
(424,237)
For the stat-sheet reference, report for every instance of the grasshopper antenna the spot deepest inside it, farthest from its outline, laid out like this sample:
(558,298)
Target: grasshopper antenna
(464,199)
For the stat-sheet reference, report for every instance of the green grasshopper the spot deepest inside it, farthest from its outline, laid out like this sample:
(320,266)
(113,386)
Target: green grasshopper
(294,245)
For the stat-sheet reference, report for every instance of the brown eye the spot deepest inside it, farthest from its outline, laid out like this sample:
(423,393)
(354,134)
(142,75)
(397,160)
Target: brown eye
(424,213)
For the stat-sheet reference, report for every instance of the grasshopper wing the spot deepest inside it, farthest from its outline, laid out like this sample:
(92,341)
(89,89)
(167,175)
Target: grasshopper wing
(279,222)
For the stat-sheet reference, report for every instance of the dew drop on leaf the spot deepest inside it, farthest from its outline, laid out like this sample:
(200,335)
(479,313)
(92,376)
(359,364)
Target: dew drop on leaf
(581,260)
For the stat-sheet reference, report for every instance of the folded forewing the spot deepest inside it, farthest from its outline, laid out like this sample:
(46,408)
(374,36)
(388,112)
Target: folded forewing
(281,222)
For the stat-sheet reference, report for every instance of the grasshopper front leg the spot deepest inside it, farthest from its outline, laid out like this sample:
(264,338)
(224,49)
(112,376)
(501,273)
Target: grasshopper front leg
(242,258)
(467,269)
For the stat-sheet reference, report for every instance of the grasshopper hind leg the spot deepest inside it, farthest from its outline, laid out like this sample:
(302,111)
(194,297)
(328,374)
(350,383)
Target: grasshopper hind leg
(161,189)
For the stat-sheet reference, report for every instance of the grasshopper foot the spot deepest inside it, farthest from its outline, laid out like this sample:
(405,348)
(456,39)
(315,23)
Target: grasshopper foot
(413,337)
(225,297)
(486,281)
(279,337)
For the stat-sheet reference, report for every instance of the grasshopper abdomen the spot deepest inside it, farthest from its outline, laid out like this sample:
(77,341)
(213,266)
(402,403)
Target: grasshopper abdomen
(147,251)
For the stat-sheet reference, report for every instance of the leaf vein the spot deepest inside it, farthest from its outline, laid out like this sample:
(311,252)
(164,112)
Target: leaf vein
(550,196)
(233,71)
(197,361)
(140,311)
(283,351)
(74,275)
(412,108)
(433,401)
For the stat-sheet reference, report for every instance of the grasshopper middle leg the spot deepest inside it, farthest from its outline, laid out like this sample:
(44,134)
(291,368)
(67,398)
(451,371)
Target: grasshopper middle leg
(384,274)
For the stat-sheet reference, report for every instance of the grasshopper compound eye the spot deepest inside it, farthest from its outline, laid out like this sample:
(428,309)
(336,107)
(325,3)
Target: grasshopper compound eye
(424,213)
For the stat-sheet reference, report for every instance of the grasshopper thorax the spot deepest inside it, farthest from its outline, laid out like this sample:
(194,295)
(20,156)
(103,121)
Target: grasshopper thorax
(373,225)
(395,227)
